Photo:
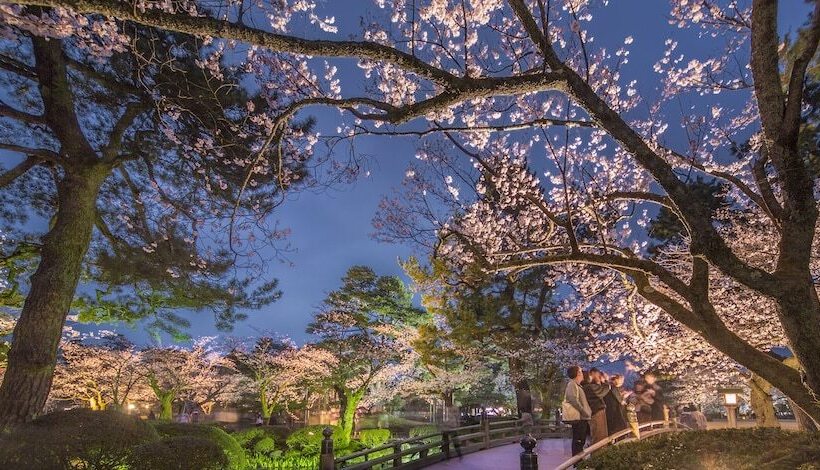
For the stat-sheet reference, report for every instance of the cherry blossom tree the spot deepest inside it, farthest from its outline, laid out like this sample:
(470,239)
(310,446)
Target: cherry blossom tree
(523,90)
(199,375)
(108,374)
(278,372)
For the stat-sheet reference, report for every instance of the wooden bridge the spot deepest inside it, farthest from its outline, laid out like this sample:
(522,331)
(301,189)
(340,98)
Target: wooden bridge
(490,445)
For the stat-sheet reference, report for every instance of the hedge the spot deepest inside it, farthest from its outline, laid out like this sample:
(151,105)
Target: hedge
(229,445)
(78,438)
(724,449)
(308,440)
(179,453)
(374,437)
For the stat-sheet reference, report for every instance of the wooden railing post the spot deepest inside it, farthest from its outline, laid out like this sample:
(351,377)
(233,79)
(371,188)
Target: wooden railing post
(326,458)
(397,459)
(485,428)
(445,444)
(529,459)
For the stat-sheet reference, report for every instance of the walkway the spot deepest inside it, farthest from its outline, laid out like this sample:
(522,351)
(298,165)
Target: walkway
(551,453)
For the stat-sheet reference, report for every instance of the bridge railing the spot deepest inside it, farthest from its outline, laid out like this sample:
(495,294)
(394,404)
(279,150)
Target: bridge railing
(421,451)
(645,430)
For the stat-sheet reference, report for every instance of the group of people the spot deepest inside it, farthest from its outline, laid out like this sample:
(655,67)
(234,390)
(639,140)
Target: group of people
(597,405)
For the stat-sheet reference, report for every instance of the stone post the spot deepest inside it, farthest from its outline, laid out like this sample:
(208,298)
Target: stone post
(529,459)
(326,458)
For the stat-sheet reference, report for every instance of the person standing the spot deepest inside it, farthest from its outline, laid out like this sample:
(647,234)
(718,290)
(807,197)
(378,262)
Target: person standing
(575,409)
(596,389)
(658,402)
(615,410)
(643,398)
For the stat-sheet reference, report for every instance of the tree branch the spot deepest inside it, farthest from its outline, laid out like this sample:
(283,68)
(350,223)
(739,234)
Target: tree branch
(19,170)
(15,66)
(791,118)
(42,154)
(205,26)
(766,71)
(111,151)
(10,112)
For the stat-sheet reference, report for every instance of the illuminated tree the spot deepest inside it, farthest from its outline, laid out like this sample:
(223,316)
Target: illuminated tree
(198,375)
(360,325)
(109,374)
(278,372)
(510,318)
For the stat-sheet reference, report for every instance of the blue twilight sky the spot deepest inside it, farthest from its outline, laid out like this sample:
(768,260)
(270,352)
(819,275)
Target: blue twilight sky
(331,229)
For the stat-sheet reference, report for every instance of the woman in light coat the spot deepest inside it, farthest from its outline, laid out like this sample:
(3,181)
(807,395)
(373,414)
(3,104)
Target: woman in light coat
(575,409)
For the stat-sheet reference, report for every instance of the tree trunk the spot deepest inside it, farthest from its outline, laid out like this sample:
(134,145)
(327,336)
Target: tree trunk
(263,402)
(799,313)
(348,403)
(33,353)
(804,421)
(523,393)
(762,403)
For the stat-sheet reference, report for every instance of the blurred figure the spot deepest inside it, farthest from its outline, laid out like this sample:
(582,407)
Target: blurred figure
(643,398)
(615,406)
(575,409)
(595,389)
(692,418)
(658,400)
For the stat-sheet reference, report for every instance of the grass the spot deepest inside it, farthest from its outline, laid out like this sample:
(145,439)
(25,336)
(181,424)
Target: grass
(724,449)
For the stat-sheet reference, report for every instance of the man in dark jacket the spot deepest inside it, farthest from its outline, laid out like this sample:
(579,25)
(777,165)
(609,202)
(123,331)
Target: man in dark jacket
(615,410)
(595,389)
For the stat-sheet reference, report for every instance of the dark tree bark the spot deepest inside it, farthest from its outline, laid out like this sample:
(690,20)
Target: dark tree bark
(523,392)
(33,354)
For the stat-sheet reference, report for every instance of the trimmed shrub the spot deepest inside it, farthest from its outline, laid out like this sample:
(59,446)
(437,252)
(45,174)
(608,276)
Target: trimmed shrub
(256,440)
(179,453)
(308,440)
(426,430)
(233,451)
(723,449)
(78,438)
(374,437)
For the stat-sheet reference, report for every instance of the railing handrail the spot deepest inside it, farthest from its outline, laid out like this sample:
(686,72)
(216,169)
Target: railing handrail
(492,428)
(622,436)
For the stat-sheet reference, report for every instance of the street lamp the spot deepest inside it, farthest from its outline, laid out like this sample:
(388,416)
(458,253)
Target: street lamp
(730,398)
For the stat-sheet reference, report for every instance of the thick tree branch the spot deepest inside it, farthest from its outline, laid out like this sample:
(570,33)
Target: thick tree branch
(536,34)
(488,128)
(766,71)
(58,100)
(640,196)
(15,66)
(8,111)
(205,26)
(42,154)
(771,204)
(112,150)
(618,263)
(791,118)
(19,170)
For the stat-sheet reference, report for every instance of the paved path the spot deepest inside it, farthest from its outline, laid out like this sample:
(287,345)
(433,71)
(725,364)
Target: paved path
(551,453)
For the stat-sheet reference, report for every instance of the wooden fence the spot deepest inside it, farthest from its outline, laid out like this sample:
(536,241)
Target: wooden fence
(421,451)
